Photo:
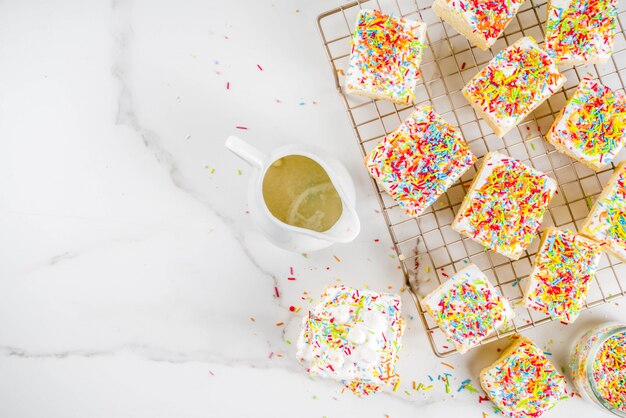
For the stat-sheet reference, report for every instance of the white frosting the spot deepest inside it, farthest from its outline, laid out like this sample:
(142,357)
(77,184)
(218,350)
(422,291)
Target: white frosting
(492,160)
(596,225)
(362,81)
(357,335)
(508,67)
(481,284)
(600,42)
(562,138)
(362,333)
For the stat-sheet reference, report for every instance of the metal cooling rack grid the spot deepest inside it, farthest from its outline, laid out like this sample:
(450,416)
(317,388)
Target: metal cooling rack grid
(428,249)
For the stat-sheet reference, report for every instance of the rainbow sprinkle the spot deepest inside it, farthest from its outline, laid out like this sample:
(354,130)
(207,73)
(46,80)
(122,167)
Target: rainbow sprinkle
(513,84)
(609,371)
(598,365)
(353,336)
(564,266)
(485,19)
(581,31)
(505,205)
(606,221)
(386,52)
(523,382)
(420,160)
(591,128)
(468,308)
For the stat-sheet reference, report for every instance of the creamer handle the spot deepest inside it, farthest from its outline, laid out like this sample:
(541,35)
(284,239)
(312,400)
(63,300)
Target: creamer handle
(245,151)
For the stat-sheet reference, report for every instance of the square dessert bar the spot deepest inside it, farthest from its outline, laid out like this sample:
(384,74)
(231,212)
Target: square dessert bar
(563,268)
(591,128)
(523,382)
(513,84)
(420,160)
(481,22)
(581,31)
(468,308)
(504,205)
(606,221)
(353,336)
(386,53)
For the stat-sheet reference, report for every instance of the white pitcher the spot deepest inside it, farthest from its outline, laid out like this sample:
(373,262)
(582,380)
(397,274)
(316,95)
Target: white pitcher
(290,237)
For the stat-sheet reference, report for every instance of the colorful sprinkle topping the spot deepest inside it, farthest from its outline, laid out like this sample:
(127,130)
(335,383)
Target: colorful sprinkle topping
(468,308)
(579,31)
(419,161)
(591,128)
(523,383)
(607,220)
(486,17)
(505,205)
(353,336)
(514,83)
(386,52)
(609,371)
(564,266)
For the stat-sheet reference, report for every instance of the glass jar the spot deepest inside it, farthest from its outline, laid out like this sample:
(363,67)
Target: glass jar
(598,366)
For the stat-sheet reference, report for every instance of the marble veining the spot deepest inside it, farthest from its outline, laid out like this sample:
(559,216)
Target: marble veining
(133,281)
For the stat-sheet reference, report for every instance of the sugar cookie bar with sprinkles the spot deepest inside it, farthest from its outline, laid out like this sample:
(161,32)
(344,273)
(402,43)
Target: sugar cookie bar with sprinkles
(420,160)
(353,336)
(514,83)
(504,205)
(581,31)
(565,265)
(385,58)
(481,22)
(591,128)
(468,308)
(606,221)
(523,382)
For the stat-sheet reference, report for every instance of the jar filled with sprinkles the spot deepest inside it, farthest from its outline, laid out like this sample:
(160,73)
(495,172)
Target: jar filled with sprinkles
(598,366)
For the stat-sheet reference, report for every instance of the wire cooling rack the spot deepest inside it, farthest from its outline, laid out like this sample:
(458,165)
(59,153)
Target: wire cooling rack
(428,249)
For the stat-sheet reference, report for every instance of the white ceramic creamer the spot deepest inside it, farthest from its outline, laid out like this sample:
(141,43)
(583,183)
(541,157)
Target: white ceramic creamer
(282,234)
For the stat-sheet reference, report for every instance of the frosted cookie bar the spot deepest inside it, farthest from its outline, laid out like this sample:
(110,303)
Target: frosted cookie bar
(468,308)
(353,336)
(420,160)
(481,22)
(563,268)
(385,58)
(591,128)
(523,382)
(504,205)
(513,84)
(581,31)
(606,221)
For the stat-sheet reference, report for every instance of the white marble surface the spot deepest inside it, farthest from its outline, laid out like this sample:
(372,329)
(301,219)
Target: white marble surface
(129,270)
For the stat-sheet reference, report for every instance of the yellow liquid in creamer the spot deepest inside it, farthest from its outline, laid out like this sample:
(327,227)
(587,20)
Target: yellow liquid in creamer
(298,191)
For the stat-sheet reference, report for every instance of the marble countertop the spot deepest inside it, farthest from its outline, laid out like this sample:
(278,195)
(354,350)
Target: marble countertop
(133,282)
